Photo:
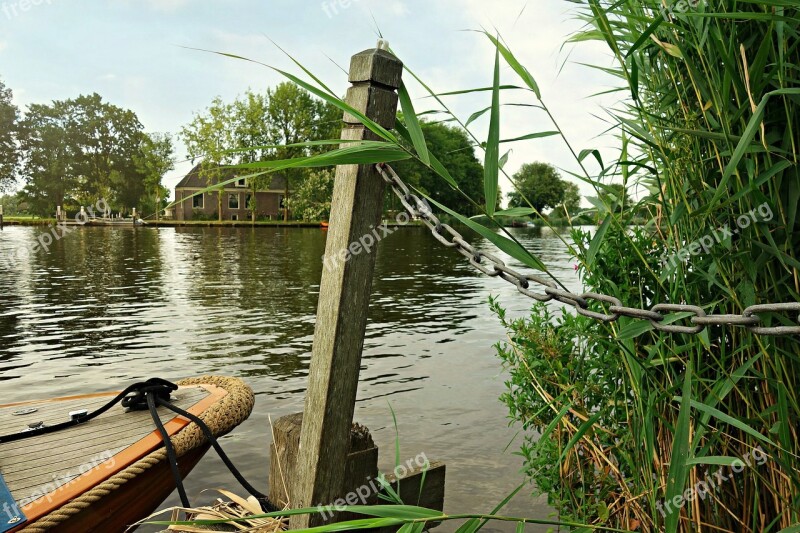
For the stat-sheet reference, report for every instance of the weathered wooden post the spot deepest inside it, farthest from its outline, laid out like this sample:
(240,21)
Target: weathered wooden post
(344,293)
(1,217)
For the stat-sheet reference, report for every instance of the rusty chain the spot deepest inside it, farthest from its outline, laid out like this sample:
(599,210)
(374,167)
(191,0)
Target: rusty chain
(493,266)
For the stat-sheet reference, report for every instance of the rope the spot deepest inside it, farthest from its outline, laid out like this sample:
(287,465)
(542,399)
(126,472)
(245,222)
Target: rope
(132,397)
(220,418)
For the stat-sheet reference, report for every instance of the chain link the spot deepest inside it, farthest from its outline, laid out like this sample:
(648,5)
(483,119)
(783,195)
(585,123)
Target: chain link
(493,266)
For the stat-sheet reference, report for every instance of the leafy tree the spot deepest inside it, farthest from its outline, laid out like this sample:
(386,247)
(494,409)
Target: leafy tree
(46,139)
(154,160)
(312,199)
(454,149)
(107,139)
(250,134)
(13,204)
(9,152)
(293,117)
(572,200)
(210,136)
(80,150)
(538,183)
(249,129)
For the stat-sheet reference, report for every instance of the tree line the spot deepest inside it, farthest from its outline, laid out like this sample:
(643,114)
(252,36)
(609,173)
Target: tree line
(74,152)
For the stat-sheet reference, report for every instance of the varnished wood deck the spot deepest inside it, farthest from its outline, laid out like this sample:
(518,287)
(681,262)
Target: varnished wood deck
(45,470)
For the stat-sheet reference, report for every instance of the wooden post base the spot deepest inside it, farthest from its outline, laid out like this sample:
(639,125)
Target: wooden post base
(361,468)
(419,485)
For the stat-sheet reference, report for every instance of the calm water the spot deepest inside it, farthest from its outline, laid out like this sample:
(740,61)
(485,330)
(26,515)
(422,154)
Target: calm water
(105,307)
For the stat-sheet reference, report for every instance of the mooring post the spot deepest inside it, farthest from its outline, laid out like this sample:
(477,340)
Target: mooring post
(344,293)
(1,217)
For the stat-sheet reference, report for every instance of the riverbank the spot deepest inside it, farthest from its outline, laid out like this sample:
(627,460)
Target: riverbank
(28,221)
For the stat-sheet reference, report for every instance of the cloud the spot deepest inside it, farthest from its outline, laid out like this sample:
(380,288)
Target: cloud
(398,8)
(535,33)
(3,46)
(167,6)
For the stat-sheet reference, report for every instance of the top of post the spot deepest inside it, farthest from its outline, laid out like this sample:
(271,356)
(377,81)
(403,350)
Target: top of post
(376,65)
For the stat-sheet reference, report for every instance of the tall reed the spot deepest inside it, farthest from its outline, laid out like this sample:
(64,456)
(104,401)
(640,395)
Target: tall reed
(651,431)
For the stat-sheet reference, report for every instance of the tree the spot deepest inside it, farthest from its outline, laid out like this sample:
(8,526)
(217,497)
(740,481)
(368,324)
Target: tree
(572,200)
(78,151)
(210,136)
(251,135)
(312,199)
(294,116)
(537,183)
(258,127)
(9,152)
(455,151)
(154,160)
(49,154)
(107,138)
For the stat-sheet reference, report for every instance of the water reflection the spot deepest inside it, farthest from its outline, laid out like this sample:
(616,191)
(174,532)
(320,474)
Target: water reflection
(106,306)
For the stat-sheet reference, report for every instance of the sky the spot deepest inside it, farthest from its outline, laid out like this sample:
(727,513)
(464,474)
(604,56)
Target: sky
(137,55)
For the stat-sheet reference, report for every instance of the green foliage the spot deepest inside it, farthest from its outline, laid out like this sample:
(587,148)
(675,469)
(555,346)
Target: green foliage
(152,162)
(312,200)
(456,153)
(210,136)
(13,204)
(572,199)
(294,116)
(710,135)
(80,150)
(537,185)
(272,126)
(9,152)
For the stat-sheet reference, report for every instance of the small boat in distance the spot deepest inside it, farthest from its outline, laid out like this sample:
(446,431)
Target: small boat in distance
(110,471)
(324,224)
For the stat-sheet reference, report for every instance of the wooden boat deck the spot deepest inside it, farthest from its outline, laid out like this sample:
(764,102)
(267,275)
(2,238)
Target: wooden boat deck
(37,468)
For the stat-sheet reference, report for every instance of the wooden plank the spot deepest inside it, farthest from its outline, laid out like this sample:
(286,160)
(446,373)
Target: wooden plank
(55,459)
(420,486)
(344,294)
(109,423)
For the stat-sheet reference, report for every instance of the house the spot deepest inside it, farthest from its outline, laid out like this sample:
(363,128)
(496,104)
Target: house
(235,198)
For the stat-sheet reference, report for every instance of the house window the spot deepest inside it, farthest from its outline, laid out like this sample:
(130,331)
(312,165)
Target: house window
(248,201)
(234,217)
(233,201)
(241,182)
(282,203)
(197,202)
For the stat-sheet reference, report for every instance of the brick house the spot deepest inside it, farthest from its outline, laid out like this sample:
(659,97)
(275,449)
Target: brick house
(235,198)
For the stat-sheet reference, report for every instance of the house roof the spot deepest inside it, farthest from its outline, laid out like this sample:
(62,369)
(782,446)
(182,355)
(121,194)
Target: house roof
(193,180)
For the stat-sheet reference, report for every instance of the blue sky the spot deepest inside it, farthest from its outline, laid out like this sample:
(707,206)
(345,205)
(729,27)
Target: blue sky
(133,53)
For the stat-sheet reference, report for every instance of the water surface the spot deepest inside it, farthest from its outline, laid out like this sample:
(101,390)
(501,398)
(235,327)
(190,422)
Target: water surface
(104,307)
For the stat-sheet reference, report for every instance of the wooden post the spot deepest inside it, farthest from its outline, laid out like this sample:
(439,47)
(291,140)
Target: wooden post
(361,464)
(1,217)
(344,294)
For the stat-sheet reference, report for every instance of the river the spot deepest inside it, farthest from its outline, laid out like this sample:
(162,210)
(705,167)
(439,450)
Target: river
(104,307)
